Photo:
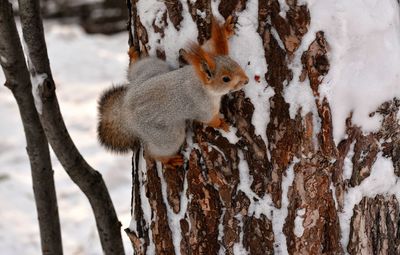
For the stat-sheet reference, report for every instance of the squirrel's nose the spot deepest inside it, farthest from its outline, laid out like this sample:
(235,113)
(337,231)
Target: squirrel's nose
(246,81)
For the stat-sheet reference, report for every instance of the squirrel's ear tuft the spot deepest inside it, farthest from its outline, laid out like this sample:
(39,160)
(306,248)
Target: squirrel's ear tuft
(219,37)
(202,62)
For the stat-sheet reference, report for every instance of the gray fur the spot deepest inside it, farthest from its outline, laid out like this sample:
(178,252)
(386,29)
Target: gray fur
(158,101)
(156,111)
(146,68)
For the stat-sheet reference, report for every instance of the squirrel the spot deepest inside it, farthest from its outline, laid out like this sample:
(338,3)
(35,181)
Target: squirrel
(155,104)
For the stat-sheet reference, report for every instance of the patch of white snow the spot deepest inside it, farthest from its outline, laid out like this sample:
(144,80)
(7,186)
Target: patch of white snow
(3,59)
(37,82)
(298,223)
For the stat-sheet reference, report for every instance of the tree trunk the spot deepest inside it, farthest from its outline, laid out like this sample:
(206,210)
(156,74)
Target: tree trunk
(280,191)
(18,81)
(42,100)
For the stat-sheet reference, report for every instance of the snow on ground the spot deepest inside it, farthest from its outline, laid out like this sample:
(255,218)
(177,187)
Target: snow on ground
(82,66)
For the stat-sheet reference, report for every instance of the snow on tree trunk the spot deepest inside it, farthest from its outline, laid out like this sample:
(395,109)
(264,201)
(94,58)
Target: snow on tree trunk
(280,181)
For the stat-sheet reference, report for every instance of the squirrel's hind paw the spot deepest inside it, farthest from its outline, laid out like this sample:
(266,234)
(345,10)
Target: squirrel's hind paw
(220,123)
(134,55)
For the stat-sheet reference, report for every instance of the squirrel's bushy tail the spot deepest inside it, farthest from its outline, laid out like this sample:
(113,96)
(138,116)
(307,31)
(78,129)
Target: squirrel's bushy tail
(110,131)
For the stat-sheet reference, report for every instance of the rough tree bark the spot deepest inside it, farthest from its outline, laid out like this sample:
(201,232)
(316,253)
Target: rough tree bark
(201,208)
(87,179)
(18,81)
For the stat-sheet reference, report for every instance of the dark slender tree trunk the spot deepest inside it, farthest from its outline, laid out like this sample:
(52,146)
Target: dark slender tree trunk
(207,206)
(18,81)
(17,73)
(89,180)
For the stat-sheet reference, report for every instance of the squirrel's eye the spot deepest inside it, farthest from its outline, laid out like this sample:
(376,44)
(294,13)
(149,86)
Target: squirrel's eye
(226,79)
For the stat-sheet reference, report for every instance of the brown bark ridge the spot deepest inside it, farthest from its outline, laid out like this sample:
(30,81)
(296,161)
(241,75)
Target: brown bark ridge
(18,81)
(87,179)
(375,226)
(285,195)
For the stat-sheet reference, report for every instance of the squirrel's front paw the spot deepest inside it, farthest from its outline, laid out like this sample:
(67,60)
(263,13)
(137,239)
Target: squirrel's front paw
(218,122)
(172,162)
(223,125)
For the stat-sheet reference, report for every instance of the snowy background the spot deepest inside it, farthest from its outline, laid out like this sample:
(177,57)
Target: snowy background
(83,65)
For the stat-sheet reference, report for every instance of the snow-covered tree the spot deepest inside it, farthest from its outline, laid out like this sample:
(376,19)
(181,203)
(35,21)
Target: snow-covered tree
(311,164)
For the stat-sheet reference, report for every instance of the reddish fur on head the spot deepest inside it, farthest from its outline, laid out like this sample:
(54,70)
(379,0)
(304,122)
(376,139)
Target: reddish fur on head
(229,27)
(201,60)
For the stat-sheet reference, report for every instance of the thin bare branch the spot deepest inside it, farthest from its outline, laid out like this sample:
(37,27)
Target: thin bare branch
(18,81)
(88,180)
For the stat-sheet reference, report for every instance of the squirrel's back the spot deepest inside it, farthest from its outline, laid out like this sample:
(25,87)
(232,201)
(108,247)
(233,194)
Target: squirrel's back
(110,131)
(167,99)
(145,69)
